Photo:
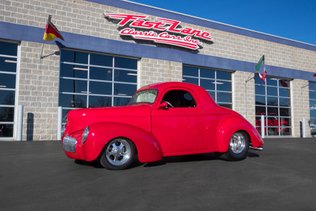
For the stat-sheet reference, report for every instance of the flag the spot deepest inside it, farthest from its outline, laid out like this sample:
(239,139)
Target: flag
(51,32)
(260,64)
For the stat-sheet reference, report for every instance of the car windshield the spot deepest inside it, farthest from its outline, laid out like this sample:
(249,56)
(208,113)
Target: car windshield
(145,96)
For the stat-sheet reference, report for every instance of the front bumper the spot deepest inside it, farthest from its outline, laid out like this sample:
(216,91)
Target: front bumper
(75,149)
(69,144)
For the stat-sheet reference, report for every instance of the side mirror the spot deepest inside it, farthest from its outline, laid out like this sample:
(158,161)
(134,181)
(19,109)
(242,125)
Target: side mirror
(164,105)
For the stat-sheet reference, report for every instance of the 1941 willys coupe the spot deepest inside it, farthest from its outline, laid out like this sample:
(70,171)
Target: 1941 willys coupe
(163,119)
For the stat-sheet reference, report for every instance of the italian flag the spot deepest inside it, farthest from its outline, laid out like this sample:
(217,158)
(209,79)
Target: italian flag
(51,32)
(260,64)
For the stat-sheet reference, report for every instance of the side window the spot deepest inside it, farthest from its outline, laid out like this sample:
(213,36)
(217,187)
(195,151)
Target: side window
(179,99)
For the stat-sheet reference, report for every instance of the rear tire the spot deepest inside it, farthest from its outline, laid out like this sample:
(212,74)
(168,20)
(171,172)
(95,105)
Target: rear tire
(118,154)
(238,147)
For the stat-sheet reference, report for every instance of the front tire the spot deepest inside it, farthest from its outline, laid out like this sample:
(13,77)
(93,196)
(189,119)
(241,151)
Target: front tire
(118,154)
(238,147)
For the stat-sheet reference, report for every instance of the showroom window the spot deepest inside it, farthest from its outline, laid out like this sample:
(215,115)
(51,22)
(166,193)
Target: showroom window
(95,80)
(312,105)
(218,83)
(273,101)
(8,67)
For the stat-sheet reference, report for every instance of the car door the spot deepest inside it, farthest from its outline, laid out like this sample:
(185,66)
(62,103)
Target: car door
(176,126)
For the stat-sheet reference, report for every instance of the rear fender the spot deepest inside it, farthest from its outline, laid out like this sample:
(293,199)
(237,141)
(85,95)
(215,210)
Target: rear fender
(228,127)
(146,145)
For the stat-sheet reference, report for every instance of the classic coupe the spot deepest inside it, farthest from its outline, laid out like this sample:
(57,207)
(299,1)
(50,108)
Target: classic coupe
(163,119)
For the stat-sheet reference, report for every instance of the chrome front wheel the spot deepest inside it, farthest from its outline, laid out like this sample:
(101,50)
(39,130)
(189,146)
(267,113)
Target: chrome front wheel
(118,154)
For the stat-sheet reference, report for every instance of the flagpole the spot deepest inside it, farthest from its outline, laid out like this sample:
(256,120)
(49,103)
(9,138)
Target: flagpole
(42,51)
(48,21)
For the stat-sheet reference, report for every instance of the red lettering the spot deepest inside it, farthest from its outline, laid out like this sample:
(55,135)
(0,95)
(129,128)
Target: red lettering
(173,25)
(206,36)
(166,25)
(125,18)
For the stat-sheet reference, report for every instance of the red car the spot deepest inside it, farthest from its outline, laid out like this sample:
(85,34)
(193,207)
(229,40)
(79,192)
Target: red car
(163,119)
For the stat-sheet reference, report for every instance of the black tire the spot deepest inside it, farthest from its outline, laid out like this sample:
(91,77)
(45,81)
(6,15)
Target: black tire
(238,147)
(118,154)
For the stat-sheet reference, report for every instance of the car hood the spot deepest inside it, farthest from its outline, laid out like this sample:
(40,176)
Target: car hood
(132,114)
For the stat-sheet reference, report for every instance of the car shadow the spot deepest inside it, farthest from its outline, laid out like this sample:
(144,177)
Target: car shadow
(173,159)
(194,158)
(253,155)
(97,165)
(186,158)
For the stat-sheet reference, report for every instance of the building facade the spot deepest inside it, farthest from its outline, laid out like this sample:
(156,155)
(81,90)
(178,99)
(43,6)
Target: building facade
(113,47)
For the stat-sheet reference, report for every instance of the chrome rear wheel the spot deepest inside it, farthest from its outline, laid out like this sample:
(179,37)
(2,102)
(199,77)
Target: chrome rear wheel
(238,146)
(237,143)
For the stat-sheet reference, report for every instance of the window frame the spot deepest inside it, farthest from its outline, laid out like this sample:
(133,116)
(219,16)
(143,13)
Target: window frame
(88,67)
(216,81)
(14,59)
(273,83)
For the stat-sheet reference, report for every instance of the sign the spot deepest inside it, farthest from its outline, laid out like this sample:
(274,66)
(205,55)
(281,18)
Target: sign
(163,31)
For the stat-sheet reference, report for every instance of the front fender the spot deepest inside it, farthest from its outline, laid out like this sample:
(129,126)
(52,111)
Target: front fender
(229,126)
(100,134)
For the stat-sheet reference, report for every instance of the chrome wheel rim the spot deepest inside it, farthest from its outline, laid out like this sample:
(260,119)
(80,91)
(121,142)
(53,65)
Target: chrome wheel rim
(118,152)
(238,143)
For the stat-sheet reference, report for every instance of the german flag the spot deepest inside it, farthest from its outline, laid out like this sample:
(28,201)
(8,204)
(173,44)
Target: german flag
(51,32)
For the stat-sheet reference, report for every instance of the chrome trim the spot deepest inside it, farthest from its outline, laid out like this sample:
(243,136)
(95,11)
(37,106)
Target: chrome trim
(256,148)
(69,144)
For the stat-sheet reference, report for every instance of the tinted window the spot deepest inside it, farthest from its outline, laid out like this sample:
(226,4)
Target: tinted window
(125,63)
(8,64)
(101,60)
(7,97)
(207,73)
(190,71)
(7,81)
(8,48)
(74,57)
(101,73)
(179,99)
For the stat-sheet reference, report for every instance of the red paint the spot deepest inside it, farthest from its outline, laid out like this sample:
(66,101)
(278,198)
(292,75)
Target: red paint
(158,131)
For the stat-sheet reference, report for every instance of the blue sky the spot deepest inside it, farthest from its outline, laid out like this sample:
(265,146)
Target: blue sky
(292,19)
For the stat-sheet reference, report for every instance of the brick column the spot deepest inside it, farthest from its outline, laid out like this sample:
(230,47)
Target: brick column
(244,95)
(38,91)
(300,106)
(154,70)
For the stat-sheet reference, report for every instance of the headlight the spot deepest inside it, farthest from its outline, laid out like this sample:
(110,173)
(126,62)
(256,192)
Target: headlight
(85,134)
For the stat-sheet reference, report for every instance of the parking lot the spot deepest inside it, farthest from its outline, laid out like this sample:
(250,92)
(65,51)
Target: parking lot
(38,176)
